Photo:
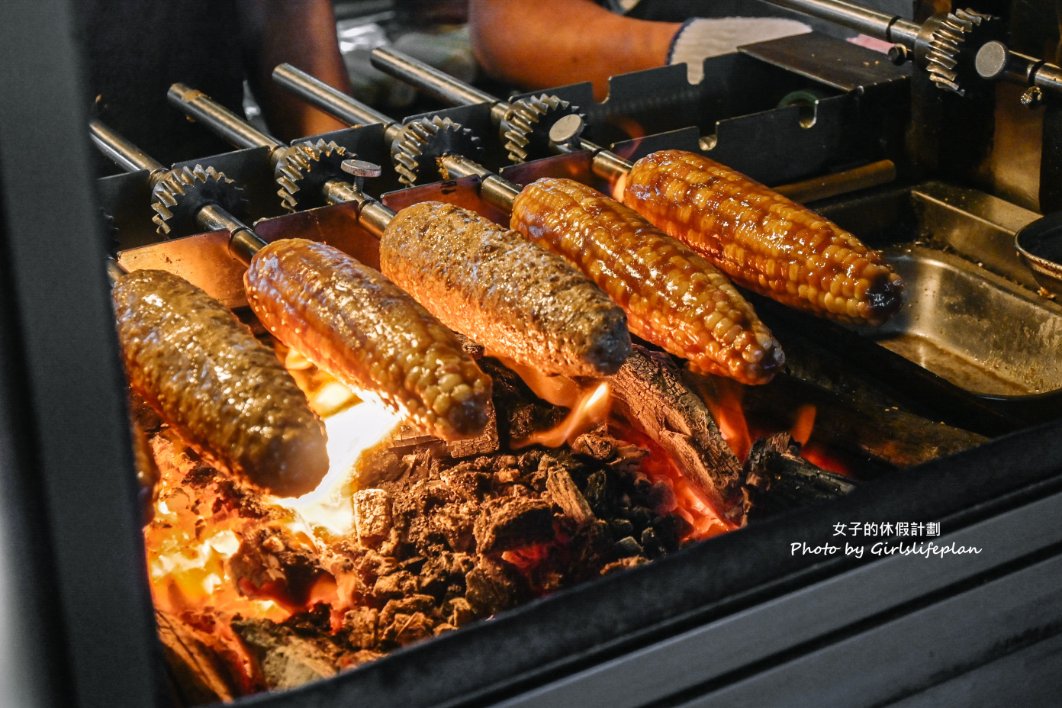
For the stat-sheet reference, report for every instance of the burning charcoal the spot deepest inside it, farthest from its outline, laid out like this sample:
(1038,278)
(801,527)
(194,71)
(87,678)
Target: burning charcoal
(519,412)
(395,585)
(620,528)
(507,475)
(442,570)
(661,497)
(407,619)
(654,547)
(384,463)
(316,622)
(483,444)
(566,495)
(458,612)
(778,479)
(357,658)
(494,586)
(283,660)
(670,530)
(505,524)
(595,446)
(627,546)
(372,516)
(416,602)
(640,516)
(465,480)
(407,628)
(272,562)
(649,391)
(599,494)
(360,627)
(624,564)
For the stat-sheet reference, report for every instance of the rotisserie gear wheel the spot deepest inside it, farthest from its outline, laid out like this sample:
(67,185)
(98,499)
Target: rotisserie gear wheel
(304,170)
(425,140)
(954,40)
(525,130)
(178,197)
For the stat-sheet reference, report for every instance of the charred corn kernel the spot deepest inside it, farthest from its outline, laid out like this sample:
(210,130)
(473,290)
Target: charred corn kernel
(514,298)
(673,297)
(762,240)
(211,380)
(351,321)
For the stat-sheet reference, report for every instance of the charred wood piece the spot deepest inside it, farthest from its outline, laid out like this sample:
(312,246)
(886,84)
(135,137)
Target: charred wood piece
(199,673)
(651,393)
(779,479)
(507,523)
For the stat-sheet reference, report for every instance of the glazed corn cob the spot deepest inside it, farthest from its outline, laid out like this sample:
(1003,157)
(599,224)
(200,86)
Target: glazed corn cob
(352,322)
(762,240)
(673,297)
(212,381)
(512,297)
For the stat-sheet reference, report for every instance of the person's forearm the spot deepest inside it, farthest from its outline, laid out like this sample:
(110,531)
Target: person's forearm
(554,42)
(302,33)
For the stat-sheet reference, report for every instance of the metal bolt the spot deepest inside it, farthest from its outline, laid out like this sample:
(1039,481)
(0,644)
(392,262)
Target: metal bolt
(361,168)
(1032,97)
(991,60)
(899,54)
(566,129)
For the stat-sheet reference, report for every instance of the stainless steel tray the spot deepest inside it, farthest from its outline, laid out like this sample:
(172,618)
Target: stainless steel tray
(974,329)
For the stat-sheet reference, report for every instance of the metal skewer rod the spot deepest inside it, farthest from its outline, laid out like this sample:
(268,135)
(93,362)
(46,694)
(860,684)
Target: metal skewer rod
(437,84)
(891,28)
(500,192)
(243,241)
(318,93)
(606,163)
(372,214)
(124,154)
(222,121)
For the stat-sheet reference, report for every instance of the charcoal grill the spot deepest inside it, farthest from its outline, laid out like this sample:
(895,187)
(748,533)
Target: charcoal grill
(738,620)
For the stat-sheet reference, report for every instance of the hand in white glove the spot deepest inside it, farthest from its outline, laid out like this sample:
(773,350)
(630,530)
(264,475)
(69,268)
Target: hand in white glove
(700,38)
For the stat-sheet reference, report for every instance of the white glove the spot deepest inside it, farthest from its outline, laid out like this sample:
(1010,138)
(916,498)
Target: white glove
(700,38)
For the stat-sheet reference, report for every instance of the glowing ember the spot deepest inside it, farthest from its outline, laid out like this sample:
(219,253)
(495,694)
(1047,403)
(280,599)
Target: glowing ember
(689,503)
(804,424)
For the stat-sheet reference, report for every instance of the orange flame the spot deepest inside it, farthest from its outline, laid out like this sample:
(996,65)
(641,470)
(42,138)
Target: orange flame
(591,409)
(193,537)
(558,390)
(589,406)
(723,398)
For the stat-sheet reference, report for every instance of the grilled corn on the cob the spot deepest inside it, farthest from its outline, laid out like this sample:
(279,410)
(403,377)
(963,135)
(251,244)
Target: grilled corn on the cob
(351,321)
(513,297)
(762,240)
(673,297)
(222,389)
